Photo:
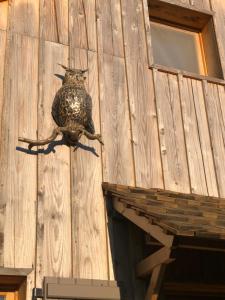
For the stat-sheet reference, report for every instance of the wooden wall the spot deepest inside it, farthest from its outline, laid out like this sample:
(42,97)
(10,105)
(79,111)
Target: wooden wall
(160,129)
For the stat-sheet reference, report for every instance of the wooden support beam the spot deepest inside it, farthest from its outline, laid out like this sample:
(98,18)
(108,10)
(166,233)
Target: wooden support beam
(147,265)
(155,231)
(155,282)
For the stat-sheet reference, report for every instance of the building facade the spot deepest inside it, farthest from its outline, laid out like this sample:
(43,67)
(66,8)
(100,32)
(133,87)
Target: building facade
(163,127)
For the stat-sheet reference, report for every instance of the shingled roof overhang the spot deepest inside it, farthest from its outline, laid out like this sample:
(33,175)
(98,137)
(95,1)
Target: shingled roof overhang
(166,214)
(174,220)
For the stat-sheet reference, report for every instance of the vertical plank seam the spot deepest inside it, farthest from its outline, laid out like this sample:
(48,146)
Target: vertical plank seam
(220,50)
(56,21)
(221,117)
(37,169)
(154,73)
(100,128)
(146,19)
(6,64)
(174,130)
(205,88)
(37,135)
(110,7)
(70,156)
(128,98)
(1,134)
(199,138)
(7,25)
(180,80)
(85,22)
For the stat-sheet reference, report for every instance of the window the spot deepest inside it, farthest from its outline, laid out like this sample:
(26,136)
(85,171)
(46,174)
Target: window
(184,39)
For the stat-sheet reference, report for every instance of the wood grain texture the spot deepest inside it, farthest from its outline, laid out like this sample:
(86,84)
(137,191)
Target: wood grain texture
(24,17)
(54,256)
(217,130)
(148,32)
(141,97)
(177,2)
(18,180)
(109,17)
(203,128)
(3,15)
(2,201)
(88,211)
(54,16)
(117,152)
(172,142)
(201,4)
(134,31)
(82,24)
(219,8)
(193,145)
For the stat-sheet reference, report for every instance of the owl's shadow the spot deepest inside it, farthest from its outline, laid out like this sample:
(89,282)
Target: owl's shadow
(51,148)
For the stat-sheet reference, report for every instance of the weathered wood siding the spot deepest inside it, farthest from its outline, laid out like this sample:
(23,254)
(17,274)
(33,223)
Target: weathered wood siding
(160,129)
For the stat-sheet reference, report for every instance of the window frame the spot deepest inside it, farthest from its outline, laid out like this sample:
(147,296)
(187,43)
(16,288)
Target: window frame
(205,17)
(201,58)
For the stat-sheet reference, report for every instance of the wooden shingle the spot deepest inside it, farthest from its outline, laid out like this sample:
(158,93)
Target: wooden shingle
(175,213)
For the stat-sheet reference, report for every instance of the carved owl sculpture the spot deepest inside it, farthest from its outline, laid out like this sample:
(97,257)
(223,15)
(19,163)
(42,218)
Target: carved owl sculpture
(71,111)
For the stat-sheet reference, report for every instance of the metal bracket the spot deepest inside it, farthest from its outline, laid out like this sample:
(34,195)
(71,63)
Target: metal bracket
(37,293)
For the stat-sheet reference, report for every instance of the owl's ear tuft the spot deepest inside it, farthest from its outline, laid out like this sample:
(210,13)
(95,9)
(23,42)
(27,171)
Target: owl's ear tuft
(64,67)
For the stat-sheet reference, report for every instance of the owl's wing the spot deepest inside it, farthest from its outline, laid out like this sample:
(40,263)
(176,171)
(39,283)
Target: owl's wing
(90,124)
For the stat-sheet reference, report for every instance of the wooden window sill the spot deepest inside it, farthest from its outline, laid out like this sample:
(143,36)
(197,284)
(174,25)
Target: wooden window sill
(187,74)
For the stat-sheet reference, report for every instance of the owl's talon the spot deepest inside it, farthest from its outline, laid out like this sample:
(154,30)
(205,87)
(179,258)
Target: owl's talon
(99,138)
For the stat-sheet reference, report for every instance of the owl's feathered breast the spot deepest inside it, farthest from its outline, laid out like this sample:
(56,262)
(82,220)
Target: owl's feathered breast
(73,105)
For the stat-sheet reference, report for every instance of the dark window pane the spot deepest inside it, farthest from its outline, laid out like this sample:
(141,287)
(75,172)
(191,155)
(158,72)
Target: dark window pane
(2,298)
(178,48)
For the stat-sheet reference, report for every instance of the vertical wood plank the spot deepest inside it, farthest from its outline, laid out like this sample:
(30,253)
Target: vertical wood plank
(2,201)
(82,28)
(109,18)
(194,153)
(54,203)
(217,131)
(172,142)
(3,15)
(117,31)
(148,32)
(24,17)
(88,211)
(19,179)
(54,16)
(198,97)
(134,31)
(103,8)
(25,208)
(201,4)
(219,8)
(117,151)
(141,98)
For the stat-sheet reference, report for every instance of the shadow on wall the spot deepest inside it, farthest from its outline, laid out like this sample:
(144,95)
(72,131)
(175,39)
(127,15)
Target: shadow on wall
(126,242)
